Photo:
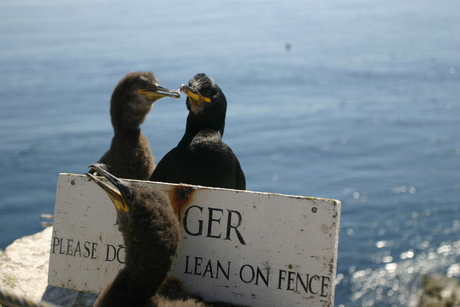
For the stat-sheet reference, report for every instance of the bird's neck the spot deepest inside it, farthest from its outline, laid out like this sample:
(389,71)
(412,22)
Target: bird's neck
(138,281)
(144,276)
(127,289)
(127,131)
(126,120)
(197,123)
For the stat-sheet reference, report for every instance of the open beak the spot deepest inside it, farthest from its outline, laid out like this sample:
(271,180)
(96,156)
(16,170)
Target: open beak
(157,92)
(114,193)
(195,98)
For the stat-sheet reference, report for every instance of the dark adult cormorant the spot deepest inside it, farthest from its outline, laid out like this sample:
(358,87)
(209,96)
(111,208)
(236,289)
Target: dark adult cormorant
(201,157)
(151,233)
(130,155)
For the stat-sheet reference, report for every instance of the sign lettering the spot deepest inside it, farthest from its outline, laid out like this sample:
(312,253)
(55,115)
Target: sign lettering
(214,219)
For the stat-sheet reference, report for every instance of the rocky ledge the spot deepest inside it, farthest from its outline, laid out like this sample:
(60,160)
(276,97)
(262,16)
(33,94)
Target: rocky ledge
(24,272)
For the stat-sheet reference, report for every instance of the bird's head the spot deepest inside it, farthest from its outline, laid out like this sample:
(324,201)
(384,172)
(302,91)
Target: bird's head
(134,95)
(144,213)
(205,101)
(146,84)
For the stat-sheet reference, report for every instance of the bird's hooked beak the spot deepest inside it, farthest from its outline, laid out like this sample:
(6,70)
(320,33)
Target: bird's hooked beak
(155,92)
(115,194)
(195,98)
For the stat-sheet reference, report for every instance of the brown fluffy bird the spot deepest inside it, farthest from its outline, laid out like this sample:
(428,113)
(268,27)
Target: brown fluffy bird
(151,234)
(201,157)
(130,155)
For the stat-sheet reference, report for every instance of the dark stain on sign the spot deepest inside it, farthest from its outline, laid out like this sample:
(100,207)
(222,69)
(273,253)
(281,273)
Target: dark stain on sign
(181,198)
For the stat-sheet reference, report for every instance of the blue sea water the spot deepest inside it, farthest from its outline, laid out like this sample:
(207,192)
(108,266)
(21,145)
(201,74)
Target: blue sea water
(364,107)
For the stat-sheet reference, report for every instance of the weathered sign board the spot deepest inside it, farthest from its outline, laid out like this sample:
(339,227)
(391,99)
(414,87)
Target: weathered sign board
(256,249)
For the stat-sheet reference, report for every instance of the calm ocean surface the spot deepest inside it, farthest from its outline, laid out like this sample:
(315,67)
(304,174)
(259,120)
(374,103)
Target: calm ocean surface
(364,108)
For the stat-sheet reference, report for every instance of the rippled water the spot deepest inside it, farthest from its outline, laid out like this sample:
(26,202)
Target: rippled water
(363,108)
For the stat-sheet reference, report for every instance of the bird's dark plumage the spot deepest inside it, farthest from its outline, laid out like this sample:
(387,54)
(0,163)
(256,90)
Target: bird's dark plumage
(130,155)
(151,233)
(201,157)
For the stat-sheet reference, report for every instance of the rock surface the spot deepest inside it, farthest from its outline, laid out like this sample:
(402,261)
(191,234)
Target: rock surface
(24,265)
(24,272)
(439,291)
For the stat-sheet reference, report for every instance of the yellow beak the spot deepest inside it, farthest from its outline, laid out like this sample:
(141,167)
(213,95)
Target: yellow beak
(195,98)
(114,194)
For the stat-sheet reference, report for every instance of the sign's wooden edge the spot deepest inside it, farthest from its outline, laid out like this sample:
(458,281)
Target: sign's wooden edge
(334,201)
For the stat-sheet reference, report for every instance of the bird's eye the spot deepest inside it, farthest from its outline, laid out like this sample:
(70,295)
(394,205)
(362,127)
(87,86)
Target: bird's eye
(129,196)
(210,93)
